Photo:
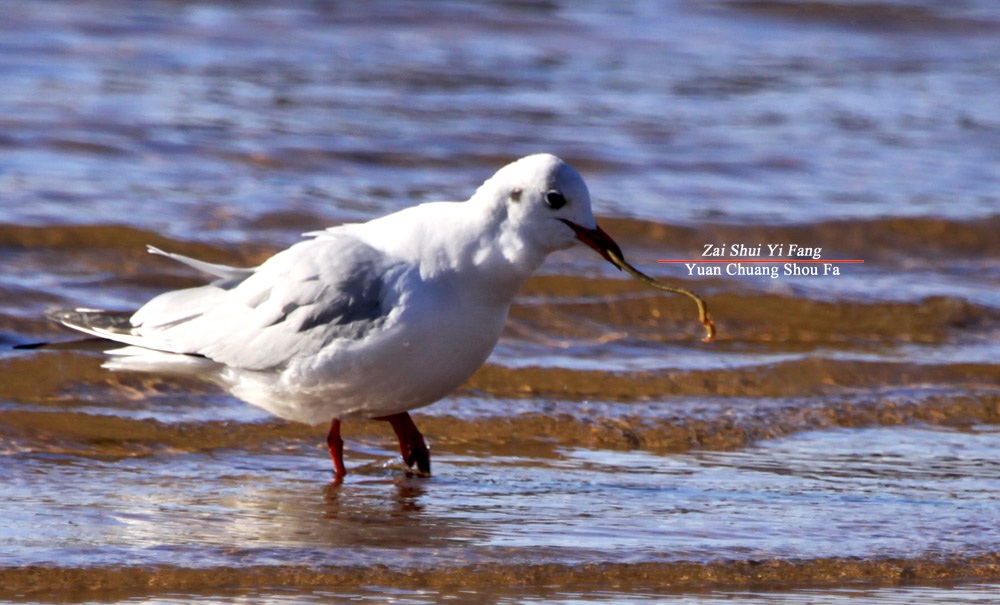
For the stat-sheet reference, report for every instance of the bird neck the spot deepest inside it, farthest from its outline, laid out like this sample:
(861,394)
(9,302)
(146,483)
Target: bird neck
(488,248)
(474,241)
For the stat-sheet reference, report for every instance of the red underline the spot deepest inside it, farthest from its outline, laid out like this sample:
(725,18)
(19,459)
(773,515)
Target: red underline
(744,260)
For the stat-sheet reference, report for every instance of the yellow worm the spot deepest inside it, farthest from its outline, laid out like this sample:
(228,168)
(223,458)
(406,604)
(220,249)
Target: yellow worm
(702,307)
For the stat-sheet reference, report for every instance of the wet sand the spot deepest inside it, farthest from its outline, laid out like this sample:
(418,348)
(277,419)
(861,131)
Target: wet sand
(603,449)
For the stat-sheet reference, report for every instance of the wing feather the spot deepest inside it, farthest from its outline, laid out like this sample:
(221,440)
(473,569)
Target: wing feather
(294,304)
(222,271)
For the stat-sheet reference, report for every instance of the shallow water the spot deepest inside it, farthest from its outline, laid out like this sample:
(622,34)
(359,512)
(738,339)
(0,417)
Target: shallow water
(838,442)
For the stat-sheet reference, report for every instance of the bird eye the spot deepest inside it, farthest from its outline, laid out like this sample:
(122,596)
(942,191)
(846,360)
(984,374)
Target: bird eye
(555,200)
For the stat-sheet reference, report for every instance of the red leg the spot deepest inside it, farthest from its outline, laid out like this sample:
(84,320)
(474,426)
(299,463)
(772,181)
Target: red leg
(411,442)
(336,445)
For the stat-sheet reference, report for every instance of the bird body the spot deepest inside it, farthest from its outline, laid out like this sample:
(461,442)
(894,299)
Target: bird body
(367,320)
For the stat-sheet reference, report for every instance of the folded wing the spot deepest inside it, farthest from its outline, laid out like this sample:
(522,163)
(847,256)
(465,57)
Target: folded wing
(297,302)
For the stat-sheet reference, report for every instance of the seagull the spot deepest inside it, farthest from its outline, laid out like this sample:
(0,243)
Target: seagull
(367,320)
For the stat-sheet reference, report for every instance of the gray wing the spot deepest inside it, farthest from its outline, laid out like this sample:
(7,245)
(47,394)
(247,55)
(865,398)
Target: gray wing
(296,303)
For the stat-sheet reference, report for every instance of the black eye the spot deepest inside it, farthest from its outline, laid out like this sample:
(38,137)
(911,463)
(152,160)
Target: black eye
(555,200)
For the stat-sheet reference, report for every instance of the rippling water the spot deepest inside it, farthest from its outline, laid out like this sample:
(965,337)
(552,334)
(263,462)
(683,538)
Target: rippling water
(839,441)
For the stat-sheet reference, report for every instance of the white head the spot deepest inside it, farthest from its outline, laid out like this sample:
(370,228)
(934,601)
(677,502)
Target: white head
(543,205)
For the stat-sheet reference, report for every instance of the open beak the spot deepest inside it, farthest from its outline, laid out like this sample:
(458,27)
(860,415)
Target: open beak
(597,239)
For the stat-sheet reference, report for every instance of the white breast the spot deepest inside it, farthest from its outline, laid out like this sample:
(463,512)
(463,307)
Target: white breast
(435,339)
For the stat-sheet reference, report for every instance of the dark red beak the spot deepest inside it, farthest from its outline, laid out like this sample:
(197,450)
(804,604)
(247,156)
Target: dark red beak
(597,239)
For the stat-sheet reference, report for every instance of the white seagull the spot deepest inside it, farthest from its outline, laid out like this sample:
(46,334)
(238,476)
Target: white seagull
(369,320)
